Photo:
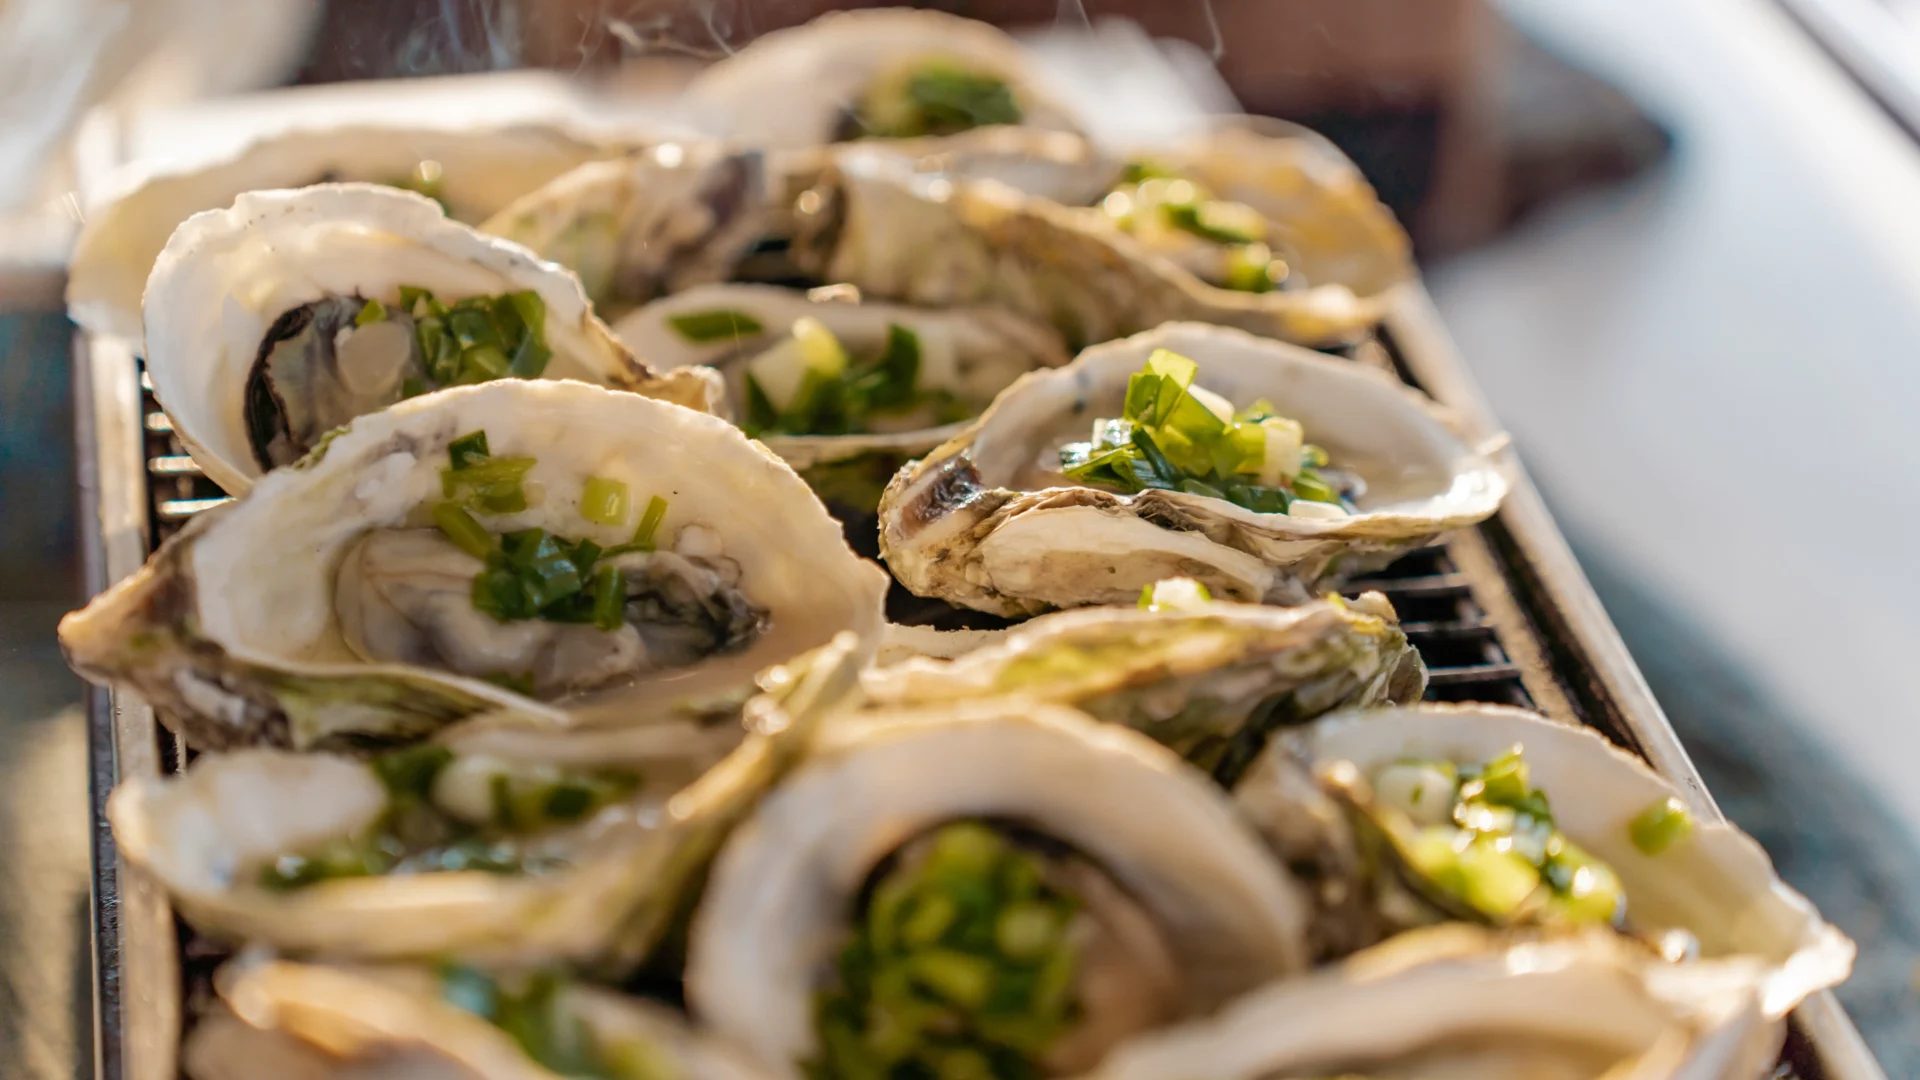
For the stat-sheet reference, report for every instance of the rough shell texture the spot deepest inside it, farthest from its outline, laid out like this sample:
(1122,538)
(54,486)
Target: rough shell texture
(791,87)
(230,629)
(785,882)
(1531,1010)
(975,523)
(675,216)
(941,230)
(227,275)
(631,867)
(1211,684)
(1718,883)
(974,353)
(482,169)
(366,1017)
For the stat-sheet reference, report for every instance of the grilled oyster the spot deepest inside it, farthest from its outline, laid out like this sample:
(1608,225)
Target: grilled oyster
(272,323)
(1454,1004)
(941,849)
(844,392)
(994,519)
(1494,815)
(652,560)
(495,842)
(1210,680)
(471,171)
(891,73)
(678,215)
(295,1021)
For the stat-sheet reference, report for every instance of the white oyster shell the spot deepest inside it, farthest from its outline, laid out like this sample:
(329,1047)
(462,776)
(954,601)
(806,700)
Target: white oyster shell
(1211,683)
(361,1022)
(791,88)
(1717,884)
(206,834)
(227,275)
(981,522)
(481,170)
(1452,1003)
(973,352)
(231,632)
(782,887)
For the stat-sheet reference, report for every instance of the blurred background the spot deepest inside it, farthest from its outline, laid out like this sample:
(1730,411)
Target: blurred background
(1678,242)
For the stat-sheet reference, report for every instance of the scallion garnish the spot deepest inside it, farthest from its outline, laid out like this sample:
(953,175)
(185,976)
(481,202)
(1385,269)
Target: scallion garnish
(467,534)
(656,512)
(808,384)
(702,327)
(488,484)
(1660,826)
(604,501)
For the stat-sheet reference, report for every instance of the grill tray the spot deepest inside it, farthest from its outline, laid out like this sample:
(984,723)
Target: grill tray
(1501,613)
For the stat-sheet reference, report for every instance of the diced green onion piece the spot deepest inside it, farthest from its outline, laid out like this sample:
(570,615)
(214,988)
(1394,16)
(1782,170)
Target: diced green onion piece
(1143,392)
(1175,594)
(1026,931)
(467,534)
(1586,890)
(609,598)
(411,772)
(1660,826)
(955,976)
(468,449)
(823,352)
(656,512)
(532,311)
(604,501)
(1313,489)
(1505,780)
(1171,365)
(372,311)
(701,327)
(1197,487)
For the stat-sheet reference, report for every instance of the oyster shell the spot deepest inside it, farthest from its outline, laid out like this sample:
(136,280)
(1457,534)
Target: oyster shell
(352,1021)
(1452,1004)
(1211,682)
(254,335)
(1705,879)
(981,521)
(963,356)
(678,215)
(848,75)
(1185,909)
(472,171)
(1012,218)
(236,632)
(496,842)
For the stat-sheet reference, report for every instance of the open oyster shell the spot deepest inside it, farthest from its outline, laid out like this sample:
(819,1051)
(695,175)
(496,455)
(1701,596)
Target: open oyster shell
(226,291)
(784,885)
(1451,1003)
(473,171)
(678,215)
(803,86)
(983,522)
(598,890)
(1212,683)
(1714,882)
(236,631)
(971,353)
(1010,218)
(294,1021)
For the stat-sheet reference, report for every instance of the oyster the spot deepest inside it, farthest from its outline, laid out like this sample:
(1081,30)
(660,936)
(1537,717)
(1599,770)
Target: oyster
(889,73)
(1047,919)
(1278,236)
(473,172)
(1454,1004)
(678,215)
(359,597)
(291,1020)
(495,841)
(1499,816)
(1210,680)
(844,392)
(272,323)
(990,520)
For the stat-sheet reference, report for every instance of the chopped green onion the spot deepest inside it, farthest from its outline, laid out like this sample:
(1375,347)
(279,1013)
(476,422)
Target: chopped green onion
(1660,826)
(656,512)
(492,485)
(467,534)
(468,449)
(604,501)
(372,311)
(500,797)
(1313,489)
(609,599)
(411,772)
(701,327)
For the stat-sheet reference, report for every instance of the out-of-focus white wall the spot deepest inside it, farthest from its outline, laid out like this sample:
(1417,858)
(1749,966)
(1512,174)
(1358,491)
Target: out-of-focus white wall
(1716,372)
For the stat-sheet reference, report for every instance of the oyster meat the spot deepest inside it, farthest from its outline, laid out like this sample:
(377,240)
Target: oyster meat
(1211,680)
(1018,514)
(571,554)
(1047,920)
(473,172)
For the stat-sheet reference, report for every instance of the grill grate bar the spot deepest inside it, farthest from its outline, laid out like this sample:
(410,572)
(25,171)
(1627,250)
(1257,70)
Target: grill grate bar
(170,465)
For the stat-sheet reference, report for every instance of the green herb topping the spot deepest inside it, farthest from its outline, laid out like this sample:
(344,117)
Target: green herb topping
(533,1009)
(1660,826)
(960,966)
(458,830)
(1176,436)
(1487,838)
(477,339)
(1167,210)
(935,97)
(702,327)
(1175,594)
(807,384)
